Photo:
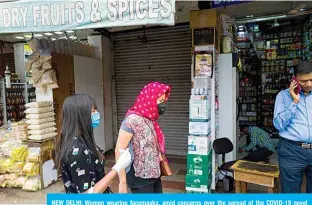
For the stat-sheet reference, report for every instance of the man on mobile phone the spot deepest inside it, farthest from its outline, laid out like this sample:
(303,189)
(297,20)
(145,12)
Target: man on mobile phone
(293,119)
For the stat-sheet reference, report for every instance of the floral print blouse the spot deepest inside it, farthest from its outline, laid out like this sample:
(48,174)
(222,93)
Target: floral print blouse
(146,162)
(81,169)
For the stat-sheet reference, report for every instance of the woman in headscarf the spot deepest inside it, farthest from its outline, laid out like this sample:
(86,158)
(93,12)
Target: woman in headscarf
(142,134)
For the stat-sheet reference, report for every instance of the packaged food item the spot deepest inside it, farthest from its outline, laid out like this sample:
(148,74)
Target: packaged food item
(11,176)
(28,169)
(39,104)
(6,165)
(36,170)
(3,184)
(19,153)
(2,178)
(40,116)
(17,167)
(9,183)
(41,126)
(43,136)
(43,131)
(20,181)
(32,184)
(40,121)
(39,110)
(34,154)
(33,57)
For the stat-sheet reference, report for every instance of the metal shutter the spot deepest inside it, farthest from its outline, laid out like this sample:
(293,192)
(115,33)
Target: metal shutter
(170,63)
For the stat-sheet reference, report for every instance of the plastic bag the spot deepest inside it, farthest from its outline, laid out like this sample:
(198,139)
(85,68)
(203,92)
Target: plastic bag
(40,116)
(2,178)
(32,184)
(41,126)
(19,153)
(20,181)
(40,104)
(47,65)
(47,77)
(7,164)
(29,168)
(34,44)
(34,154)
(17,167)
(40,121)
(54,84)
(33,57)
(43,136)
(43,131)
(39,110)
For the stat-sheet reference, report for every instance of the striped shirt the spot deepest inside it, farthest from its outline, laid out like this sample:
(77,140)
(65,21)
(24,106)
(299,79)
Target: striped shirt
(259,137)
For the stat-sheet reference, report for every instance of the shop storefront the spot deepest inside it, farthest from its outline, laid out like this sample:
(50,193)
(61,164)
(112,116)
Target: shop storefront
(48,64)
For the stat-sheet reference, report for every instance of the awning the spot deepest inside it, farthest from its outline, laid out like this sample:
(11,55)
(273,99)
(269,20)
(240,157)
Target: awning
(17,16)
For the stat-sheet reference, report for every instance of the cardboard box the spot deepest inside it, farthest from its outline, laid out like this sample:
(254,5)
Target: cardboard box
(199,128)
(193,169)
(198,183)
(204,18)
(199,145)
(200,160)
(200,110)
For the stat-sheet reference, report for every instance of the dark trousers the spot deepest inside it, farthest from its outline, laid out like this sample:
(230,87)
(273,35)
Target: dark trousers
(294,161)
(259,155)
(155,187)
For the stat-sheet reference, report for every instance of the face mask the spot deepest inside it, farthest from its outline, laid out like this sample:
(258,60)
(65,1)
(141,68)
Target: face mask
(95,119)
(161,108)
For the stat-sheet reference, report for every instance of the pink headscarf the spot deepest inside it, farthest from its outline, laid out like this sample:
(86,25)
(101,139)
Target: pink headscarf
(146,106)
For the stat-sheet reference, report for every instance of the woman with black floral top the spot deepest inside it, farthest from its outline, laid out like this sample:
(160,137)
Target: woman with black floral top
(78,158)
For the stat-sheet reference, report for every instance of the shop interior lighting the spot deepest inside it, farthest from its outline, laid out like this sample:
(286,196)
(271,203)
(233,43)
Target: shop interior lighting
(53,39)
(28,36)
(19,37)
(72,37)
(38,35)
(59,32)
(48,34)
(69,31)
(259,19)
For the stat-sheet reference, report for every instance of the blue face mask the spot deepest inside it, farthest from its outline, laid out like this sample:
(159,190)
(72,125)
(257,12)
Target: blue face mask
(95,119)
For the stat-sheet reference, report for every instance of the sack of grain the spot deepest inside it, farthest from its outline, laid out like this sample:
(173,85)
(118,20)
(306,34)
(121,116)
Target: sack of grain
(40,116)
(43,136)
(39,104)
(42,132)
(41,126)
(40,121)
(39,110)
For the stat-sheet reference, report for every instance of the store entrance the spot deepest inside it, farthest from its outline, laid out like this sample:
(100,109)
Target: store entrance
(269,51)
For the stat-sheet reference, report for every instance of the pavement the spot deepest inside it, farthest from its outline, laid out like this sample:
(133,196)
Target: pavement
(172,184)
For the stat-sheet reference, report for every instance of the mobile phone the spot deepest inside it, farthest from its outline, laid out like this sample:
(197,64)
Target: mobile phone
(298,88)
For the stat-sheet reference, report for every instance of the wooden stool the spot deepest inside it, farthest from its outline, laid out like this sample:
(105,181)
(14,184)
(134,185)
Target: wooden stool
(256,173)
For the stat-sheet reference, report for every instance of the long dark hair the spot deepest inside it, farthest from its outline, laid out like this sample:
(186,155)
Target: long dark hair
(76,122)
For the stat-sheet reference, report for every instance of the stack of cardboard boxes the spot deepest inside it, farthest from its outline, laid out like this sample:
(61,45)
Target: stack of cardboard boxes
(199,158)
